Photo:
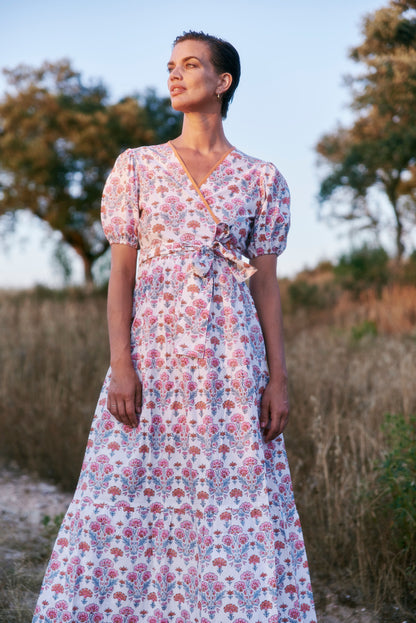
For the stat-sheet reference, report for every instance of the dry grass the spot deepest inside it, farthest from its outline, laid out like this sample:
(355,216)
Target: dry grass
(341,391)
(21,575)
(53,356)
(394,312)
(25,548)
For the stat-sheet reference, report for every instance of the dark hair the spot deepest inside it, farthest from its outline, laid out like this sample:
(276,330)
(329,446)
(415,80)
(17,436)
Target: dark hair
(225,59)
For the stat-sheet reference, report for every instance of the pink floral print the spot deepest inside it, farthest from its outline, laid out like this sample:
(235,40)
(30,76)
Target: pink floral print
(190,518)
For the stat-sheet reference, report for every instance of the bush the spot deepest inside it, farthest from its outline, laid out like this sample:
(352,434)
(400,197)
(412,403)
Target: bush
(367,327)
(390,518)
(305,295)
(397,478)
(366,267)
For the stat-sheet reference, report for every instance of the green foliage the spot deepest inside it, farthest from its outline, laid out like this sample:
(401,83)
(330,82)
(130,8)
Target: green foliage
(397,478)
(303,294)
(378,150)
(362,268)
(52,523)
(367,327)
(59,138)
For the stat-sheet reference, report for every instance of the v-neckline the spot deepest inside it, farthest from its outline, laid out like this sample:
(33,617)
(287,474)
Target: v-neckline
(210,172)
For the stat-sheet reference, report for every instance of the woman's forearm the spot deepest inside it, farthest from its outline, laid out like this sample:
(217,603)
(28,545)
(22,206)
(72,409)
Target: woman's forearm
(265,291)
(274,412)
(119,305)
(266,298)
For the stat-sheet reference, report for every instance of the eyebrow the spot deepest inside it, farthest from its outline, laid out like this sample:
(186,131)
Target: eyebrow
(187,58)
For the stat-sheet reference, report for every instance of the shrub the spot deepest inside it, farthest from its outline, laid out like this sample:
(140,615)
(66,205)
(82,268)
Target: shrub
(397,478)
(367,327)
(366,267)
(305,295)
(389,520)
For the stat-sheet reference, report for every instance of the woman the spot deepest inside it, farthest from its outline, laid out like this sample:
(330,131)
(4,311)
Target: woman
(184,510)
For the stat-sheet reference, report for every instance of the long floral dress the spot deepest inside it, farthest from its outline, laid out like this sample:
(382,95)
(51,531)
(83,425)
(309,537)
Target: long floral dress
(190,517)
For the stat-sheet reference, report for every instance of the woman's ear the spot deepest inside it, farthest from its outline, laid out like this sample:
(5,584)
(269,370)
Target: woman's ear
(224,83)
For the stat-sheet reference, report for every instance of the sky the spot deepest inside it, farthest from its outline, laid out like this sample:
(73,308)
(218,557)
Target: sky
(294,58)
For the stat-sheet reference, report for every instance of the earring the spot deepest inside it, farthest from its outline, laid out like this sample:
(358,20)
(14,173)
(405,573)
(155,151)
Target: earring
(218,96)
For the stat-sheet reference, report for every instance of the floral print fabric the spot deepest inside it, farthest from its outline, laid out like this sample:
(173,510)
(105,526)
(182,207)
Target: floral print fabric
(190,518)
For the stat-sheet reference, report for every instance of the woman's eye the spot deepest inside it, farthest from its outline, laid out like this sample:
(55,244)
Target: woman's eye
(190,65)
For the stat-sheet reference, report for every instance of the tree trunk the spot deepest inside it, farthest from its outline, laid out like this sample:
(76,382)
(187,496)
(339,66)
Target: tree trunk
(400,248)
(391,191)
(87,261)
(89,281)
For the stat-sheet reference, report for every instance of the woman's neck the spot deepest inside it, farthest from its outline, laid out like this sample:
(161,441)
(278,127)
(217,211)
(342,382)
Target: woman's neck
(203,133)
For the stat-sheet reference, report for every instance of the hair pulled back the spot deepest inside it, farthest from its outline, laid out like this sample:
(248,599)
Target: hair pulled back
(224,58)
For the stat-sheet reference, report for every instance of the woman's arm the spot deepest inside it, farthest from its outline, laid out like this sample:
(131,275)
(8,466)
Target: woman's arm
(125,391)
(264,289)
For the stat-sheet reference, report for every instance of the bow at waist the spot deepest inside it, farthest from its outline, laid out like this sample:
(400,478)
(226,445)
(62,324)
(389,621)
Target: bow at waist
(202,257)
(194,296)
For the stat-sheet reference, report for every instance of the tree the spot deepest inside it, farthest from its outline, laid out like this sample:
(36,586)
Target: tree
(58,140)
(378,152)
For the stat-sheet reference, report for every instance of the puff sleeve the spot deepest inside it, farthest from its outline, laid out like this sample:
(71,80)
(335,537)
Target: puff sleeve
(120,202)
(271,222)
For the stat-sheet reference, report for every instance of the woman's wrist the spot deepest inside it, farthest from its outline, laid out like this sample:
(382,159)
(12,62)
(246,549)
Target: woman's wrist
(278,376)
(121,364)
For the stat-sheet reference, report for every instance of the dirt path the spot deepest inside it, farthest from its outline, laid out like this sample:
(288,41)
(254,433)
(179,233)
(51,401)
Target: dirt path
(29,513)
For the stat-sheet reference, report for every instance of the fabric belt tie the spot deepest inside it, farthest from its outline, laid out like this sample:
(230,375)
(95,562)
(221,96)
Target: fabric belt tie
(193,302)
(202,261)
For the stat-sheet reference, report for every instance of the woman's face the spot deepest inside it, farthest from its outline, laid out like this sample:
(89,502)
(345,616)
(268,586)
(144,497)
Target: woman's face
(193,81)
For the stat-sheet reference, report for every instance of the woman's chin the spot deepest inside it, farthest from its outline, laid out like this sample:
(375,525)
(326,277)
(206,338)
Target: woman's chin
(177,105)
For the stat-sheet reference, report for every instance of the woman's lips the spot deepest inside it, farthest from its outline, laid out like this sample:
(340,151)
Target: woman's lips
(176,90)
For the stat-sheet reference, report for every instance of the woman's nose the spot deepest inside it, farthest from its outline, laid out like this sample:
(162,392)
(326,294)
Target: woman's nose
(174,73)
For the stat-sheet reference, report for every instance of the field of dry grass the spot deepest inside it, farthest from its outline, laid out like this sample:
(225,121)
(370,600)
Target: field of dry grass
(341,391)
(53,357)
(349,366)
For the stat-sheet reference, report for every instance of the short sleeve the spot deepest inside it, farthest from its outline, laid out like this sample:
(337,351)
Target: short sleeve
(272,219)
(120,202)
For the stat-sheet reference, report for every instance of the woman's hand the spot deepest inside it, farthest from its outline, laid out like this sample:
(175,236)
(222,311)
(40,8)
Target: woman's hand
(125,396)
(274,412)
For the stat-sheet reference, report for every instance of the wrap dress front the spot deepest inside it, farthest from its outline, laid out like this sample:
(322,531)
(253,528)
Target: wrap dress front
(190,518)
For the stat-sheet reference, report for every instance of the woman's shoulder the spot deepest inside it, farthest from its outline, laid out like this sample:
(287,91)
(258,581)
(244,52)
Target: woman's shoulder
(150,149)
(144,152)
(264,167)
